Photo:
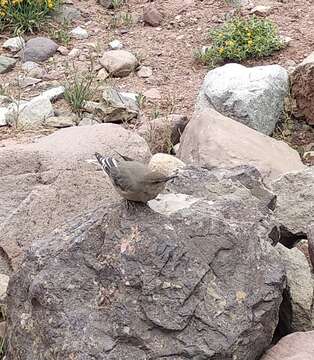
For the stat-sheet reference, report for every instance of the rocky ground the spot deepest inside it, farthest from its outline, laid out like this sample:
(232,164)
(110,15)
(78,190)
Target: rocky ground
(219,266)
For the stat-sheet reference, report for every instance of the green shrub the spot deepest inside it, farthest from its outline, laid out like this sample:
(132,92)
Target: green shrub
(22,16)
(239,39)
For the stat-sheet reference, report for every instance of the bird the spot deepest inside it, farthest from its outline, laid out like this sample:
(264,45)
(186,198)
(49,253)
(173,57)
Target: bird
(132,179)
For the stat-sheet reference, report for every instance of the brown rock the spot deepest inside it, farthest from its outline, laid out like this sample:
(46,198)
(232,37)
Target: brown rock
(215,140)
(161,130)
(302,88)
(43,184)
(296,346)
(152,16)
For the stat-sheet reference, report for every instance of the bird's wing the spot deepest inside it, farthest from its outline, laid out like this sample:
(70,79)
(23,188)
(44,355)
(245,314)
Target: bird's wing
(126,158)
(157,178)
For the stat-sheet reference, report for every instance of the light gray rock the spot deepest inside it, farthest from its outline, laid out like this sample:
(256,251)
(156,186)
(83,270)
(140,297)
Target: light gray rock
(295,204)
(165,164)
(30,114)
(39,49)
(215,140)
(253,96)
(14,44)
(61,121)
(6,64)
(145,72)
(119,63)
(115,45)
(202,283)
(79,33)
(54,93)
(3,114)
(87,121)
(67,12)
(25,81)
(261,10)
(4,281)
(296,309)
(29,65)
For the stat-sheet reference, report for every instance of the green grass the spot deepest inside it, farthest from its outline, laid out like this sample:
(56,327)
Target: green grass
(239,39)
(25,15)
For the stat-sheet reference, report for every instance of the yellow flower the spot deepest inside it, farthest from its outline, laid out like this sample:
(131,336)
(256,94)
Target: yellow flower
(249,34)
(221,50)
(250,42)
(229,43)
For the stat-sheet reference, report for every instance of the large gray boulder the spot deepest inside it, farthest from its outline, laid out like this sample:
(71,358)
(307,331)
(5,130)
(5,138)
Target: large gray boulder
(39,49)
(253,96)
(201,283)
(44,183)
(215,140)
(297,307)
(295,204)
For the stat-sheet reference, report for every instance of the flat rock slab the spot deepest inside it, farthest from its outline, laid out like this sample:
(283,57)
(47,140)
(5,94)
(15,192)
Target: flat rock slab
(6,64)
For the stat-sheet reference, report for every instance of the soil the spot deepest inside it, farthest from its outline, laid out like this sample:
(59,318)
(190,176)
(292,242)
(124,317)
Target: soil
(169,50)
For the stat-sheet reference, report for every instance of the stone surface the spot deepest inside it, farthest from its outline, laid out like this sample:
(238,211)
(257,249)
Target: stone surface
(29,66)
(79,33)
(253,96)
(3,115)
(302,87)
(119,63)
(163,133)
(297,346)
(4,281)
(6,64)
(152,94)
(14,44)
(43,184)
(39,49)
(102,74)
(215,140)
(25,81)
(310,233)
(261,10)
(296,308)
(53,93)
(67,13)
(87,121)
(192,285)
(115,107)
(145,72)
(165,164)
(152,16)
(115,45)
(30,114)
(61,121)
(295,203)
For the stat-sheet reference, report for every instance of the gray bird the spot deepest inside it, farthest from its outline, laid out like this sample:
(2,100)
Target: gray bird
(133,180)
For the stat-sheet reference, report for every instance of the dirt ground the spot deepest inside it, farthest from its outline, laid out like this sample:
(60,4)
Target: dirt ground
(169,50)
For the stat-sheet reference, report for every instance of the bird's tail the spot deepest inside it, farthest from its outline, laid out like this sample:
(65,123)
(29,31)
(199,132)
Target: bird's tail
(107,163)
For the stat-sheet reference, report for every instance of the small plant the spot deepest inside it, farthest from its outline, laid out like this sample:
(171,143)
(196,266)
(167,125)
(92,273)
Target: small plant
(122,19)
(239,39)
(25,15)
(60,33)
(78,89)
(116,3)
(141,100)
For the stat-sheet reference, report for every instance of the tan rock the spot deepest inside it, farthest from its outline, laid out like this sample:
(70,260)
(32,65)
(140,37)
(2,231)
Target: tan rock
(296,346)
(43,184)
(4,281)
(302,88)
(119,63)
(165,163)
(215,140)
